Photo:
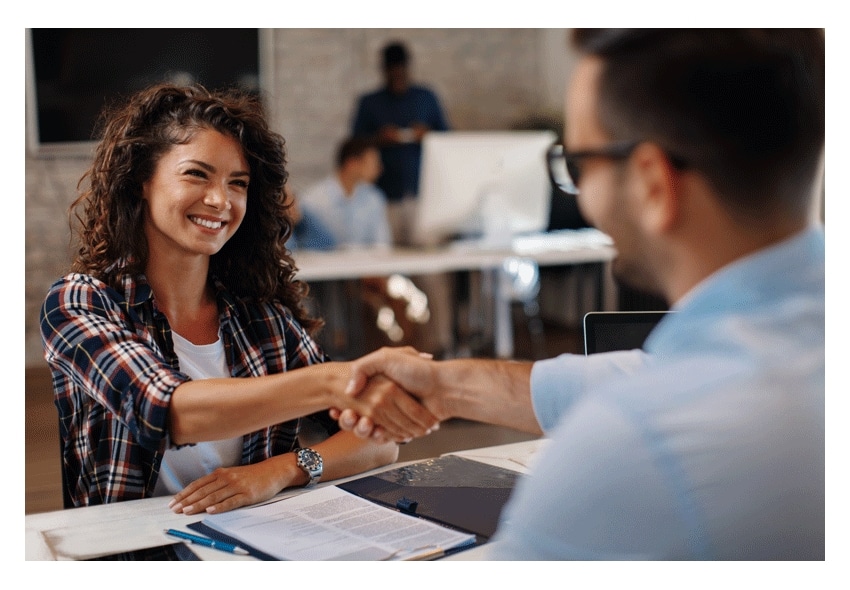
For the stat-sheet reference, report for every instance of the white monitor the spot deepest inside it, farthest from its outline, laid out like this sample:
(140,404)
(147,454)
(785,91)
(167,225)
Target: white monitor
(488,184)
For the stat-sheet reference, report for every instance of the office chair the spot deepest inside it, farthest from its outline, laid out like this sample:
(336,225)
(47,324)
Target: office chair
(67,502)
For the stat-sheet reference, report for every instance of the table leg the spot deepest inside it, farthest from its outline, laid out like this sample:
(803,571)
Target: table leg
(503,324)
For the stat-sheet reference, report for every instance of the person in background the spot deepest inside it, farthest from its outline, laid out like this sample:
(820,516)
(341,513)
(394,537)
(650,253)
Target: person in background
(347,202)
(397,117)
(353,210)
(700,153)
(182,357)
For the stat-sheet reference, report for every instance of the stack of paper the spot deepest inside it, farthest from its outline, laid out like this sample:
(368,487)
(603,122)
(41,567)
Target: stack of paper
(332,524)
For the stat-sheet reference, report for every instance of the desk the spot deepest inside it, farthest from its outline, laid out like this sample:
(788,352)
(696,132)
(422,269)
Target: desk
(78,533)
(565,247)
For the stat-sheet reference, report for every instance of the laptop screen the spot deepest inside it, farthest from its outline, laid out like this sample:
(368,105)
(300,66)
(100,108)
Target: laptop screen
(605,331)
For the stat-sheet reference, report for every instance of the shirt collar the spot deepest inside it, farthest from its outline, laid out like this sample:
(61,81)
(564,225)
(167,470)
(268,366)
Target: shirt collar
(761,273)
(137,292)
(746,286)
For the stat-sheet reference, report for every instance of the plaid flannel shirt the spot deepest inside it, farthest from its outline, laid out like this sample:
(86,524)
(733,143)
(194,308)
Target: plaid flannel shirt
(114,370)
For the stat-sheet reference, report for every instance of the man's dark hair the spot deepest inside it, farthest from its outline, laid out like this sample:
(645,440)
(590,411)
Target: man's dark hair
(745,107)
(353,147)
(394,54)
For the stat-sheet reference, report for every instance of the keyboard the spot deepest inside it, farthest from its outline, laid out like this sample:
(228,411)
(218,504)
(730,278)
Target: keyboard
(560,240)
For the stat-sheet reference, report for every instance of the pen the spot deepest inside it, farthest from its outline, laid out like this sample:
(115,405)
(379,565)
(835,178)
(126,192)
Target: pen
(207,542)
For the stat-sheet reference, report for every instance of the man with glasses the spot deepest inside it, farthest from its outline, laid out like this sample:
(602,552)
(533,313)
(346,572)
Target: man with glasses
(699,152)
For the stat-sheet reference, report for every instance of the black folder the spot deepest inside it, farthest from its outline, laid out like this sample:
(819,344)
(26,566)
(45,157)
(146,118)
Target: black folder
(453,491)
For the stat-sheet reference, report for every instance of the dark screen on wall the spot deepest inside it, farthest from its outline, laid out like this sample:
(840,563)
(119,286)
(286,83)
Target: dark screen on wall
(77,71)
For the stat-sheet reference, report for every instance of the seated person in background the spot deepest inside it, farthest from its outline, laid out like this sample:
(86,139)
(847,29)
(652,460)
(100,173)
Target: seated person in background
(347,202)
(181,354)
(308,233)
(354,212)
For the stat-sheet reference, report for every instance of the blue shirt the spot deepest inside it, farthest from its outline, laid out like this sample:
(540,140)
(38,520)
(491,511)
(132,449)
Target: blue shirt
(310,234)
(401,162)
(356,220)
(709,446)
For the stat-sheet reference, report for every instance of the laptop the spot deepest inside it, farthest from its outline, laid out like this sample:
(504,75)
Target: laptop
(606,331)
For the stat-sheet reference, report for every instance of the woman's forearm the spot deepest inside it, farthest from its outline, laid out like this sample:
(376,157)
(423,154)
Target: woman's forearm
(215,409)
(345,454)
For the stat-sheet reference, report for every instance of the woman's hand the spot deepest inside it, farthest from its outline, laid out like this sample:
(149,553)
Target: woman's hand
(228,488)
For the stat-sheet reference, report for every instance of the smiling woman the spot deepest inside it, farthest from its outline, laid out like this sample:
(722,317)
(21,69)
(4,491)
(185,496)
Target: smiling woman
(182,357)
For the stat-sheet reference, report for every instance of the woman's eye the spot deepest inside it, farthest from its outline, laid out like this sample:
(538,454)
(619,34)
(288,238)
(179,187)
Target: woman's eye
(196,172)
(240,183)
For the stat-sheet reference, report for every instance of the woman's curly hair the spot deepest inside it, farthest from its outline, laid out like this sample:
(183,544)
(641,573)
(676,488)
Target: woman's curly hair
(134,135)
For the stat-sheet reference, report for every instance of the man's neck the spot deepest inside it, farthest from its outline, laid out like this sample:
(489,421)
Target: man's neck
(726,247)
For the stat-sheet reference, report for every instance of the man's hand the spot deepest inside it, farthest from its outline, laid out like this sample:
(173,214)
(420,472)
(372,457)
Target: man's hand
(389,135)
(419,131)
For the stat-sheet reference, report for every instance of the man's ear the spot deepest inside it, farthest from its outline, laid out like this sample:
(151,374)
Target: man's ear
(657,188)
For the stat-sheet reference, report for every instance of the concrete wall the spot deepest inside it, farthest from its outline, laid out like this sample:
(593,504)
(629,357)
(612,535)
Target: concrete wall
(486,78)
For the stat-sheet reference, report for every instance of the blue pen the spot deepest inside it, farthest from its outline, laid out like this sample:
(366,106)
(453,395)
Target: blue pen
(207,542)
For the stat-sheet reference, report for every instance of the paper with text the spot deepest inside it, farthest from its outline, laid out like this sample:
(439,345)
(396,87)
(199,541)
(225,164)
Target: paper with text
(332,524)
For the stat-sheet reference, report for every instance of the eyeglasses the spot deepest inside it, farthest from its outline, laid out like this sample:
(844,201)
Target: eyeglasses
(565,167)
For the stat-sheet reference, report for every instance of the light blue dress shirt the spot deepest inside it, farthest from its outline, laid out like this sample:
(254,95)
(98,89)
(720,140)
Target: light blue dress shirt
(708,446)
(356,220)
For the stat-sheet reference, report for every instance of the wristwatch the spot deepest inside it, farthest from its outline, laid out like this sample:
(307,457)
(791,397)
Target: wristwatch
(311,462)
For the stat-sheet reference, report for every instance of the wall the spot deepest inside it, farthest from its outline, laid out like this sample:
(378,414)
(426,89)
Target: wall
(486,78)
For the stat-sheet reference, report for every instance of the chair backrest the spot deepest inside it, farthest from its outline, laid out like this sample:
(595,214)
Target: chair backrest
(606,331)
(67,502)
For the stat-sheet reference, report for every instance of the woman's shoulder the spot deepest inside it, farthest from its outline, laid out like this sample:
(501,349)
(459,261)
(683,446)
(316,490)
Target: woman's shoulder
(84,290)
(76,282)
(76,296)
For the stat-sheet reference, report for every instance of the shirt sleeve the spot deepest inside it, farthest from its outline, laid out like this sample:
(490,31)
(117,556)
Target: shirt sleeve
(598,491)
(312,234)
(558,383)
(440,123)
(88,337)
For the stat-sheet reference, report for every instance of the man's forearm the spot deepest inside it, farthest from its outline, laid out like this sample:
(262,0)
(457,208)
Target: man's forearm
(490,391)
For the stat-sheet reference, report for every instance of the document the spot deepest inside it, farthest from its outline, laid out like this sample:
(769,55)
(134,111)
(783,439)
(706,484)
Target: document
(332,524)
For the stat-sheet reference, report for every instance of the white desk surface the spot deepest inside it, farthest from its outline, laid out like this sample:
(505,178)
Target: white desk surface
(80,533)
(565,247)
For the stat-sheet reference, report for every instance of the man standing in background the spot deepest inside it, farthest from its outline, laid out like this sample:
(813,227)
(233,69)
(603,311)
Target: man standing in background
(397,117)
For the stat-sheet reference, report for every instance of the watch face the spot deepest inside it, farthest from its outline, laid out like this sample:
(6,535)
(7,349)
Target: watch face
(310,459)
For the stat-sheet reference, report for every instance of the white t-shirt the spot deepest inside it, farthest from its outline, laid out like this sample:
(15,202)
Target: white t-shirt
(180,467)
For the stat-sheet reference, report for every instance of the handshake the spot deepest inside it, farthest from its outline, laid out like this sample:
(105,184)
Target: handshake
(397,394)
(391,396)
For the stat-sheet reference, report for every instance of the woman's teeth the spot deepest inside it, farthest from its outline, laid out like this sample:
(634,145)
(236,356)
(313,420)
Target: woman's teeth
(206,223)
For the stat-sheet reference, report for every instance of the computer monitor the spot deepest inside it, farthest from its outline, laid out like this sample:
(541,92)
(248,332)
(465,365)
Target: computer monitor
(607,331)
(489,184)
